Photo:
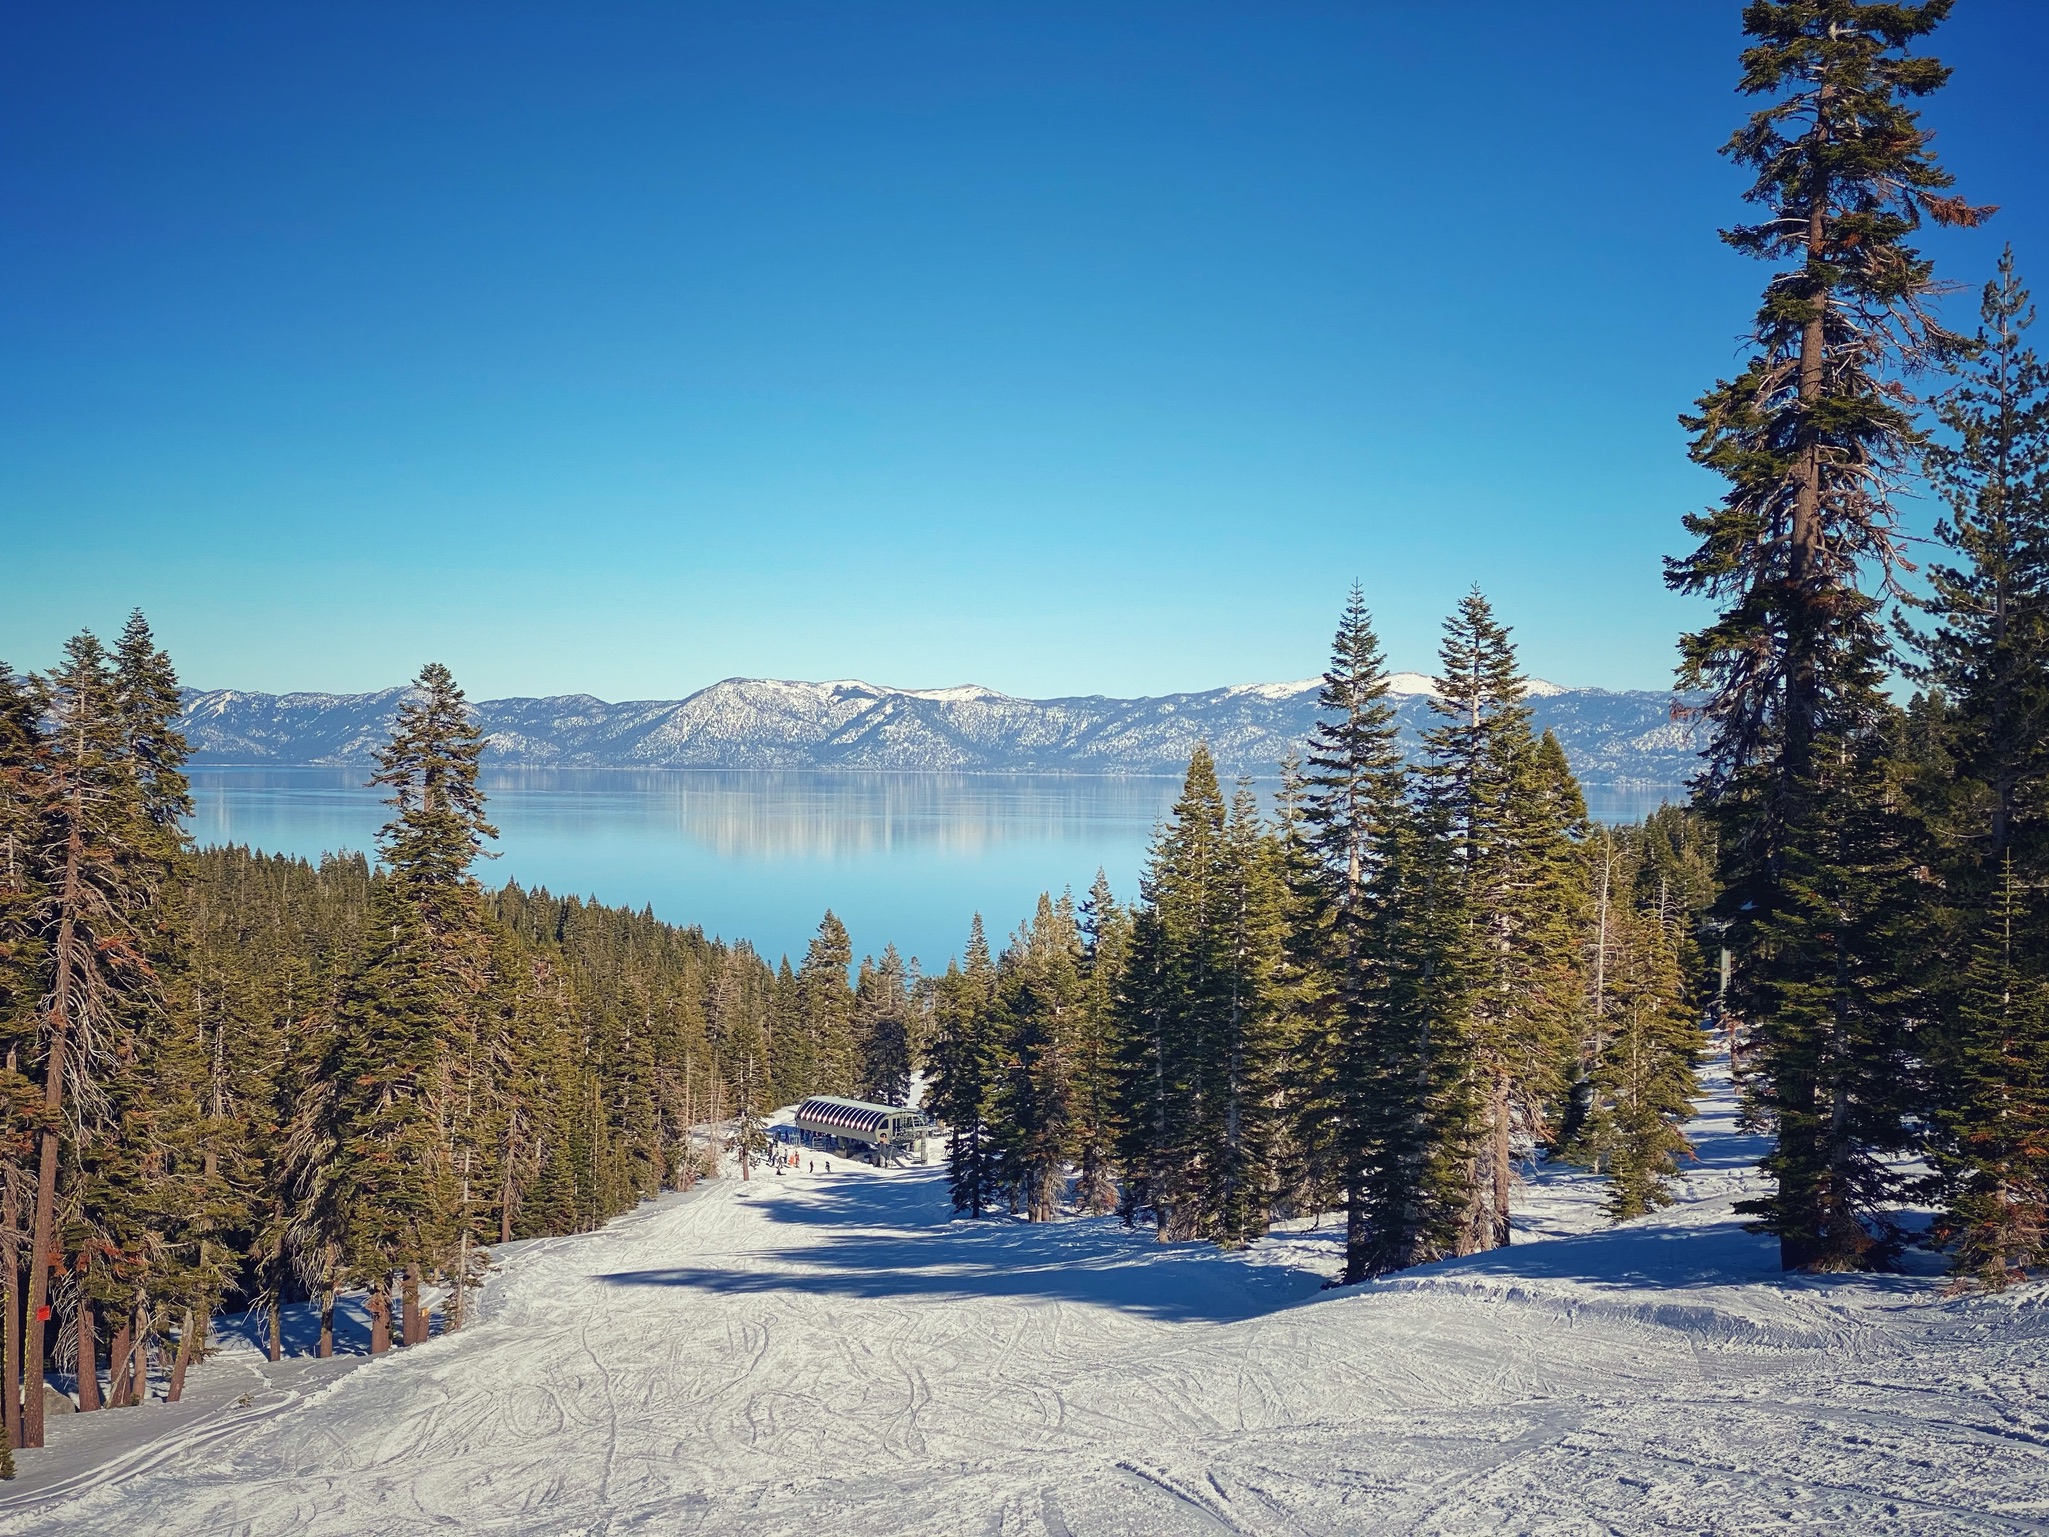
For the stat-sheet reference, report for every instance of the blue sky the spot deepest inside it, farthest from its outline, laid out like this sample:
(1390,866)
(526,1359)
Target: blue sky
(1065,349)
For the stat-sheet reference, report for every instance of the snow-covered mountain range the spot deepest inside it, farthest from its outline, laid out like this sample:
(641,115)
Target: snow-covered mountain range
(1613,738)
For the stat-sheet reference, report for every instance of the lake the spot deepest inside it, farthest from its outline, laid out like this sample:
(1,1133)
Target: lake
(761,855)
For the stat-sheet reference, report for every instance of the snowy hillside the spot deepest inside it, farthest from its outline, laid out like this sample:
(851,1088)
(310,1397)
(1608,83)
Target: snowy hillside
(819,1353)
(1612,738)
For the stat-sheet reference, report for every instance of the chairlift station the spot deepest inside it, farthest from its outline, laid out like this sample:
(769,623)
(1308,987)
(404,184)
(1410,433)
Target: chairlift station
(882,1133)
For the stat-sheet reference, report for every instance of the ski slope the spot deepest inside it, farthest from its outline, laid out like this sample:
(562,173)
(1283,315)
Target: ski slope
(830,1355)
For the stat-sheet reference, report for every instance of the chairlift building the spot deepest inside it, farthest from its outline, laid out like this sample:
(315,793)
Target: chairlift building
(884,1133)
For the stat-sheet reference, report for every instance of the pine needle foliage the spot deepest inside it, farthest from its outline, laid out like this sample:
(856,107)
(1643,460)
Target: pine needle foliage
(1812,437)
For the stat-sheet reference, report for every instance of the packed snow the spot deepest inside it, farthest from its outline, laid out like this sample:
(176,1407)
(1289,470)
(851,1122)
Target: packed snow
(817,1352)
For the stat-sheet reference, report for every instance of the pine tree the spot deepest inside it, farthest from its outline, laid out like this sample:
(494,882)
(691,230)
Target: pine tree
(826,1005)
(1106,934)
(1548,817)
(1643,1038)
(750,1139)
(24,796)
(1992,1133)
(24,769)
(962,1062)
(1811,436)
(1253,939)
(1306,1137)
(1507,803)
(882,1009)
(1350,800)
(1423,1091)
(1989,653)
(1989,814)
(1143,1102)
(1201,1020)
(1187,1006)
(1036,1021)
(101,866)
(375,1167)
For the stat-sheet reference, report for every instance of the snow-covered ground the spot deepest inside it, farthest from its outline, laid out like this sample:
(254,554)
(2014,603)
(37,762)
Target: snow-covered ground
(829,1354)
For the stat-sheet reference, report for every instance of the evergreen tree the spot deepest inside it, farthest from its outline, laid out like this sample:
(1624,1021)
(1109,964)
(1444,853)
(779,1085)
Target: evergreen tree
(1143,1103)
(962,1063)
(1422,1090)
(1187,1006)
(1810,436)
(789,1048)
(1350,800)
(1513,816)
(1643,1040)
(101,865)
(882,1009)
(826,1009)
(24,769)
(750,1140)
(24,797)
(1988,812)
(1989,652)
(1036,1020)
(1992,1131)
(1202,1020)
(1253,940)
(378,1142)
(1106,936)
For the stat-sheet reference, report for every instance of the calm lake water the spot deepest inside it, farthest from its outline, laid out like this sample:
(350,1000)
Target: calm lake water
(761,855)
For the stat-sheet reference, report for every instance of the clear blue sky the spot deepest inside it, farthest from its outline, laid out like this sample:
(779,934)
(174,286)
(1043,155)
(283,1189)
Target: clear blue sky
(1083,348)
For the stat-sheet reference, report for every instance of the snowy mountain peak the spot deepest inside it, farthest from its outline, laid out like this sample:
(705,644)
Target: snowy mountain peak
(846,723)
(1412,684)
(1275,690)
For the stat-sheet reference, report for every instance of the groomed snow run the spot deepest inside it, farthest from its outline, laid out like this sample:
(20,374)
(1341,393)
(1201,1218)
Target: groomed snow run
(831,1356)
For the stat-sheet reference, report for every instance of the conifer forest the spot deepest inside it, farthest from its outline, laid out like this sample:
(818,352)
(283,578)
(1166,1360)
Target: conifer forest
(1359,995)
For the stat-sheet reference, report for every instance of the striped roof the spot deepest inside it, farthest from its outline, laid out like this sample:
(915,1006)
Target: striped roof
(847,1114)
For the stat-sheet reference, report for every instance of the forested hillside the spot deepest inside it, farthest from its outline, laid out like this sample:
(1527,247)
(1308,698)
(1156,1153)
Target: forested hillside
(236,1077)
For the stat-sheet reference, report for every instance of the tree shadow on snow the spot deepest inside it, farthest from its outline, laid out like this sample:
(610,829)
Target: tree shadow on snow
(893,1237)
(301,1330)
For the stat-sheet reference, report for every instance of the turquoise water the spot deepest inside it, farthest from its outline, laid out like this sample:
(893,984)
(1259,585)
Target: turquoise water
(903,858)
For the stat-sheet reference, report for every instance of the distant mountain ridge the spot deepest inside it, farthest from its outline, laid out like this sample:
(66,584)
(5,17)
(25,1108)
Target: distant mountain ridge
(1613,738)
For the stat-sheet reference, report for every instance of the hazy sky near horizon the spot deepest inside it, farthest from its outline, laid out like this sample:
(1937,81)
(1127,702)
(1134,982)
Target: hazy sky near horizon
(620,348)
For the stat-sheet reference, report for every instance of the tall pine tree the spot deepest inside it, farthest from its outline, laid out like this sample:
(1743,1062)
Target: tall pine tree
(1811,436)
(1988,656)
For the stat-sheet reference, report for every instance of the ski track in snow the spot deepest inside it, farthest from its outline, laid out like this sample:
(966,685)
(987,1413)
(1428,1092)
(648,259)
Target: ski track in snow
(810,1353)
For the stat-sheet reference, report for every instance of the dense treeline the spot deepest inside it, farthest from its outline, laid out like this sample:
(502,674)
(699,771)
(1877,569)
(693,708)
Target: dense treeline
(233,1077)
(1373,1000)
(1882,870)
(1379,997)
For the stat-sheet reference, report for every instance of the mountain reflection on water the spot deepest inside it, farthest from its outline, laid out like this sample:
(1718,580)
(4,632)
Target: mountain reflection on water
(760,855)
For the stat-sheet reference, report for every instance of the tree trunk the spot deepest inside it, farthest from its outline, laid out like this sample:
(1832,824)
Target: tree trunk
(1503,1169)
(43,1231)
(414,1322)
(1355,1228)
(380,1317)
(188,1340)
(506,1194)
(88,1337)
(326,1320)
(138,1359)
(119,1349)
(276,1352)
(12,1254)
